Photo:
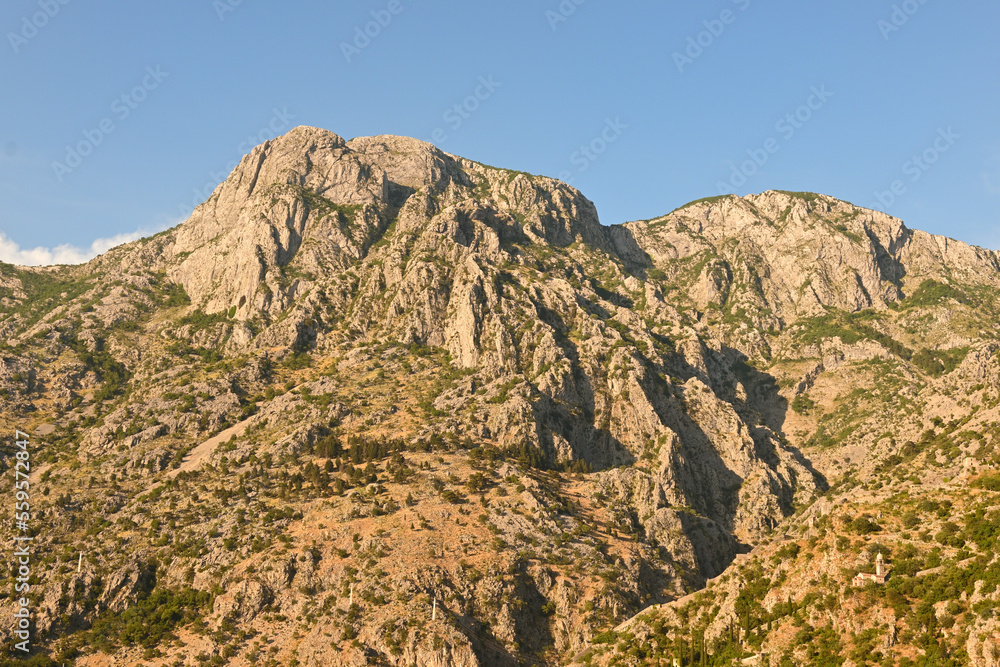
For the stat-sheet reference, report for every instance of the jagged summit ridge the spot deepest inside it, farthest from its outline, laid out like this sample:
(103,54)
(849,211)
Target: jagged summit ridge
(795,254)
(311,199)
(312,191)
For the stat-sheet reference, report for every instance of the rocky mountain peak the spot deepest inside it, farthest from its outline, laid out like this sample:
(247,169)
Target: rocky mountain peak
(786,255)
(426,376)
(311,188)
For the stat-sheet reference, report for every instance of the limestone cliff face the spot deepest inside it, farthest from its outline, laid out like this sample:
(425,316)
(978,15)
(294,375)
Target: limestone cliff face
(233,249)
(710,370)
(310,202)
(779,256)
(624,345)
(314,241)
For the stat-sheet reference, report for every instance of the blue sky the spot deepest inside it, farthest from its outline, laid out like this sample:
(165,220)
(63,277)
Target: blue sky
(643,106)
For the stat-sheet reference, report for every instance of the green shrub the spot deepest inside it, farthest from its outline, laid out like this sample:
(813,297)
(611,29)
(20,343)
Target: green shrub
(990,482)
(850,328)
(788,551)
(175,296)
(939,362)
(298,361)
(149,621)
(656,274)
(932,293)
(863,525)
(198,320)
(803,405)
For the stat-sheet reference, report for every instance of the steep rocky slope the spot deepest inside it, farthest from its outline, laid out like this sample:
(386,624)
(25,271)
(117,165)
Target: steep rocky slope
(883,344)
(794,601)
(367,374)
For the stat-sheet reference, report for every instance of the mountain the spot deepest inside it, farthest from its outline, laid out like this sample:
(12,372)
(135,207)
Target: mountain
(378,404)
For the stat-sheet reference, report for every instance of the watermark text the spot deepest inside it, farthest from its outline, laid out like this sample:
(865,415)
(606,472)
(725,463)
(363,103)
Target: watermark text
(462,111)
(702,41)
(364,35)
(787,127)
(121,108)
(22,543)
(32,24)
(900,16)
(588,153)
(915,168)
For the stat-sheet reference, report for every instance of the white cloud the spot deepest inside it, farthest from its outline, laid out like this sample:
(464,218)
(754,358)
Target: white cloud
(12,253)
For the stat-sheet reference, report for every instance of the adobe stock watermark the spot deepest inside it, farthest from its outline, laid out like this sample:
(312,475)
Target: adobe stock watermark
(22,542)
(562,13)
(701,42)
(121,108)
(33,23)
(280,122)
(588,153)
(915,168)
(456,115)
(223,7)
(787,127)
(900,16)
(364,35)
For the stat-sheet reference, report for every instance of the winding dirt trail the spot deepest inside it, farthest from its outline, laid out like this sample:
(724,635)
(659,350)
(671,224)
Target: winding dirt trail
(205,449)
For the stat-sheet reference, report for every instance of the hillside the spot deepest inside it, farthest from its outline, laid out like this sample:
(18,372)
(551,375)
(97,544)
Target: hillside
(378,404)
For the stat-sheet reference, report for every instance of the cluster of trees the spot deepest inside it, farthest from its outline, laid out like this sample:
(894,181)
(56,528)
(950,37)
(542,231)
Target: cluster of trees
(43,292)
(113,374)
(990,482)
(932,293)
(913,599)
(358,449)
(939,362)
(37,660)
(850,328)
(361,449)
(688,642)
(147,623)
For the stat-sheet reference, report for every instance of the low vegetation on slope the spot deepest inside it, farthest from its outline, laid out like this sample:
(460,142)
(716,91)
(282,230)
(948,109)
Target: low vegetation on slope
(417,410)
